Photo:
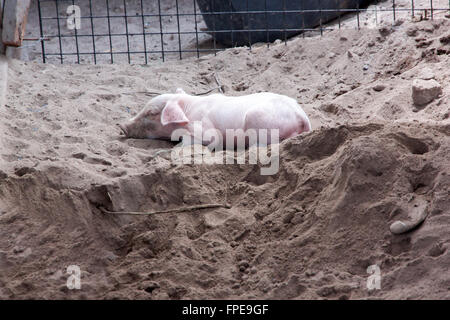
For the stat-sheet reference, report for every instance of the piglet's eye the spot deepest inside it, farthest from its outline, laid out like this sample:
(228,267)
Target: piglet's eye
(154,110)
(149,124)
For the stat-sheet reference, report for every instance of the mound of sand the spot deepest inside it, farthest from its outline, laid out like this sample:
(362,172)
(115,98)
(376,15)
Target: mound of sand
(309,231)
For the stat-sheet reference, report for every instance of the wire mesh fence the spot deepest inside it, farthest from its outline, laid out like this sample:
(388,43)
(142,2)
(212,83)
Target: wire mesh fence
(141,31)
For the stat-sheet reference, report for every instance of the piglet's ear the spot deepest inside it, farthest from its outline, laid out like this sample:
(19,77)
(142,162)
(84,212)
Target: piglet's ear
(180,91)
(172,113)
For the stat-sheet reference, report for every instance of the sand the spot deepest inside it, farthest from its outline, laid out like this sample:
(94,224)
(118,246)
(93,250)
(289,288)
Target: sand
(308,232)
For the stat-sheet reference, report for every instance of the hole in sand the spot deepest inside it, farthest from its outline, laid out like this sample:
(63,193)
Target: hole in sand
(415,146)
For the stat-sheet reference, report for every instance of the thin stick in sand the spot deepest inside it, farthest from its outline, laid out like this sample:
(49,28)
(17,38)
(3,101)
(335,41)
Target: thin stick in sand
(182,209)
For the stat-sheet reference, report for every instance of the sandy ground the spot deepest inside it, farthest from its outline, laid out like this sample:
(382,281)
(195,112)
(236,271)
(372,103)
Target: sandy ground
(308,232)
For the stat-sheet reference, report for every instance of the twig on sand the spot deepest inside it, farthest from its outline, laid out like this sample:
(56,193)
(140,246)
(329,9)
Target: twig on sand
(182,209)
(151,94)
(220,87)
(147,93)
(211,90)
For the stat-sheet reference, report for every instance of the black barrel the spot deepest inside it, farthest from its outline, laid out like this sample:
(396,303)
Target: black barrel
(230,22)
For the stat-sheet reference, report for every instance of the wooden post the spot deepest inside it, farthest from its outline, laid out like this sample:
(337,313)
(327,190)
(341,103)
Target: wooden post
(2,47)
(15,14)
(3,78)
(1,8)
(3,65)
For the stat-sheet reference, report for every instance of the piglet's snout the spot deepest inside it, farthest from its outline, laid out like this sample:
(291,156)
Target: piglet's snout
(123,128)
